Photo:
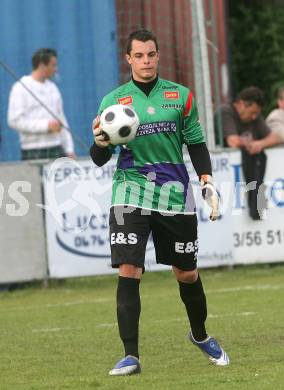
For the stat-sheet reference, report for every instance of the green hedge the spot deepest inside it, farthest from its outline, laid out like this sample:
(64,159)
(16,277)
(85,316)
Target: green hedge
(256,42)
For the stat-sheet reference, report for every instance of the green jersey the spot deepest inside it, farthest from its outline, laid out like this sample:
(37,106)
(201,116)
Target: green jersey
(150,170)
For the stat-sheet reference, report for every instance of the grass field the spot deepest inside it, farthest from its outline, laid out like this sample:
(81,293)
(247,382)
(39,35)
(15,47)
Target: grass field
(65,336)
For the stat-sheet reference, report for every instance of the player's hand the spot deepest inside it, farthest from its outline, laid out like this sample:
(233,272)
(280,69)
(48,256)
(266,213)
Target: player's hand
(54,126)
(99,136)
(210,195)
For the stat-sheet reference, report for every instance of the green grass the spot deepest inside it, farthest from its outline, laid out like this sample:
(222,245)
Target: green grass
(65,336)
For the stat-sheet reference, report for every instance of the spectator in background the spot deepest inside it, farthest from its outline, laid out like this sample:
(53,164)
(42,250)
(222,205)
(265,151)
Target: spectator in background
(242,124)
(32,101)
(241,120)
(275,119)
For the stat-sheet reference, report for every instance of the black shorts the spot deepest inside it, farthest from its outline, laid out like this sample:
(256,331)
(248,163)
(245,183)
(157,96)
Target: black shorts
(174,237)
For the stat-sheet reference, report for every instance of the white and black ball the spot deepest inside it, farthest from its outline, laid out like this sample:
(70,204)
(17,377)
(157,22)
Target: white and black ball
(119,123)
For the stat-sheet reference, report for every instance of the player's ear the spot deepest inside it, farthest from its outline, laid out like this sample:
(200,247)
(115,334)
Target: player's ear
(128,58)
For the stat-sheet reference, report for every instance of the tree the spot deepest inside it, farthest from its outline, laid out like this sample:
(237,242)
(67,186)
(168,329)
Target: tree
(256,42)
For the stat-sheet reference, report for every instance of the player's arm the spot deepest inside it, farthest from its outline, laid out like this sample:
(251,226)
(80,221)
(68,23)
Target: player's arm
(199,155)
(201,162)
(200,159)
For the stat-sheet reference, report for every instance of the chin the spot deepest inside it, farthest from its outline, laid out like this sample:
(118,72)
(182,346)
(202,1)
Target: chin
(148,76)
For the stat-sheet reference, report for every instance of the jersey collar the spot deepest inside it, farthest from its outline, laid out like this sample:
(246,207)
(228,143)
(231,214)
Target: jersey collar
(154,89)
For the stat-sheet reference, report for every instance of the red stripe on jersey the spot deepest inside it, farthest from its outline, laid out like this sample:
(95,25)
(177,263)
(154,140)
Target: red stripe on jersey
(188,104)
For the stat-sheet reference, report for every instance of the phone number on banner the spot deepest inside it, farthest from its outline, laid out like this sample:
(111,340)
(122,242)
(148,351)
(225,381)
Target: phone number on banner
(257,238)
(93,240)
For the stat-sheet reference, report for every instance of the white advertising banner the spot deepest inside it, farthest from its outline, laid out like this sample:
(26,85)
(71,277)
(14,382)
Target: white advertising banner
(77,197)
(77,202)
(259,241)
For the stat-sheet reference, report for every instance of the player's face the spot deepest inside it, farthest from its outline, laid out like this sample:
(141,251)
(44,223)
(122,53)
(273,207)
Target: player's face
(248,112)
(143,60)
(50,69)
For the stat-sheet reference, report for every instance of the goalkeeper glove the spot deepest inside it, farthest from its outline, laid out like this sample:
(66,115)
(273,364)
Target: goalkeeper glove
(100,137)
(96,123)
(210,195)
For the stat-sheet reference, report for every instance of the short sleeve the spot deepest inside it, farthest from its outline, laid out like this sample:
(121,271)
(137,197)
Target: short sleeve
(228,121)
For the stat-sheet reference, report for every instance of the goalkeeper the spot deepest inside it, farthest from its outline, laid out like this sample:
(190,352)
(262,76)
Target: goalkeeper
(152,193)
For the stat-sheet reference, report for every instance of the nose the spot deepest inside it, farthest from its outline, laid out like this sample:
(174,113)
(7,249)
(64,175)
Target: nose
(146,59)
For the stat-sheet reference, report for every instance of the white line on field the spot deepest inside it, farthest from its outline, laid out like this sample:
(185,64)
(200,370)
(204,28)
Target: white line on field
(112,299)
(54,329)
(74,303)
(114,324)
(247,288)
(178,319)
(106,325)
(245,313)
(54,305)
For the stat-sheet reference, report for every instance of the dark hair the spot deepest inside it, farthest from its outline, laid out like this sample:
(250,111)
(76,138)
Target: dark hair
(251,95)
(143,36)
(42,56)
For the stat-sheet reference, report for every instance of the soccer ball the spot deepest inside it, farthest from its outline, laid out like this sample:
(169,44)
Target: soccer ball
(119,124)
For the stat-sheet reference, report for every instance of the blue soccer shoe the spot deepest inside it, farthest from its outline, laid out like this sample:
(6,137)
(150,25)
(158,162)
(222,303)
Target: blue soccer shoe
(211,348)
(127,366)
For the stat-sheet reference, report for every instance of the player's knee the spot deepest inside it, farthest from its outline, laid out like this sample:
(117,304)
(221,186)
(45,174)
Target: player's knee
(186,276)
(130,271)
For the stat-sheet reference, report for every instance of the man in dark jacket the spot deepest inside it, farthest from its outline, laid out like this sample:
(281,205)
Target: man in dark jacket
(242,123)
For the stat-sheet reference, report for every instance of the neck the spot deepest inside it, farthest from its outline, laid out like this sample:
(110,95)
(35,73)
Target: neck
(143,80)
(38,76)
(146,87)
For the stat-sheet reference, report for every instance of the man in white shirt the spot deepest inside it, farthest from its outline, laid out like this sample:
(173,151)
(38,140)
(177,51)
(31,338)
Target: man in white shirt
(36,111)
(275,121)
